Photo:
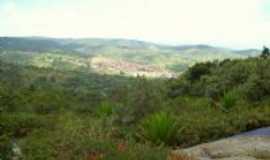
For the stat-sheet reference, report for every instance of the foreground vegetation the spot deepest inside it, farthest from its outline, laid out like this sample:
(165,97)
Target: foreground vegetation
(55,114)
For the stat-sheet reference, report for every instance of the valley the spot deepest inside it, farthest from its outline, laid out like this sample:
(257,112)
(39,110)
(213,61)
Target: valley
(112,56)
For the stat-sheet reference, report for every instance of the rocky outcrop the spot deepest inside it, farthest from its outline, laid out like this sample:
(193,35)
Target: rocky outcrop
(236,148)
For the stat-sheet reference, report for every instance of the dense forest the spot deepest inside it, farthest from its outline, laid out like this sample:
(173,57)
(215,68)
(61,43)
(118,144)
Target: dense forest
(55,113)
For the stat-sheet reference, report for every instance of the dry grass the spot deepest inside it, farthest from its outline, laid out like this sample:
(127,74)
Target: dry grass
(95,156)
(182,156)
(122,147)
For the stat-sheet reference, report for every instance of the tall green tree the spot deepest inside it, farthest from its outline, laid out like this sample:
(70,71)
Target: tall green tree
(265,52)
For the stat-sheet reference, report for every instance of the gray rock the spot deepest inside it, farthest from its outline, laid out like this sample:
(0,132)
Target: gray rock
(235,148)
(17,153)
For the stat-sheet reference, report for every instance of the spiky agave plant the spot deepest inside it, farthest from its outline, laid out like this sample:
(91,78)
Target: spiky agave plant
(159,128)
(229,100)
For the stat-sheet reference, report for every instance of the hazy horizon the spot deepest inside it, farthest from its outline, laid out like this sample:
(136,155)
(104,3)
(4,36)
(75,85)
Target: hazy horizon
(140,40)
(240,24)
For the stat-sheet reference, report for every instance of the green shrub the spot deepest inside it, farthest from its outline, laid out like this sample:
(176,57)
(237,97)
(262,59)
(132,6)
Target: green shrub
(198,70)
(45,108)
(159,128)
(105,109)
(144,98)
(229,100)
(21,124)
(5,147)
(257,87)
(39,147)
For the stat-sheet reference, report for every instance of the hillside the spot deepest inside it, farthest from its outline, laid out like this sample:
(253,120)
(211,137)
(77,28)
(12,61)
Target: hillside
(111,56)
(53,113)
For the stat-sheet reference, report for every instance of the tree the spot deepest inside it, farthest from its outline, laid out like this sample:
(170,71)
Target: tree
(265,53)
(198,70)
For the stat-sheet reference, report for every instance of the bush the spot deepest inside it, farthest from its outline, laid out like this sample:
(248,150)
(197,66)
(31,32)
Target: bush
(257,87)
(45,108)
(229,100)
(159,128)
(105,109)
(5,147)
(198,70)
(21,124)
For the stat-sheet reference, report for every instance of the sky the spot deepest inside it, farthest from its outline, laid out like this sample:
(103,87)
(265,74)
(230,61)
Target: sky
(226,23)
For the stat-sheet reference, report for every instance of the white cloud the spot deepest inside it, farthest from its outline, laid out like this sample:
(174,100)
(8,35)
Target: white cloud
(234,23)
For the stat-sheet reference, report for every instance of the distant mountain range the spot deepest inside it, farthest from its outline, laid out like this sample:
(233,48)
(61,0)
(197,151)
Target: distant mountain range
(112,56)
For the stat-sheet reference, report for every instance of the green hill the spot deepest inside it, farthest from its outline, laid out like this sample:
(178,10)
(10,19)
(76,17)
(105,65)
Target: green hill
(111,56)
